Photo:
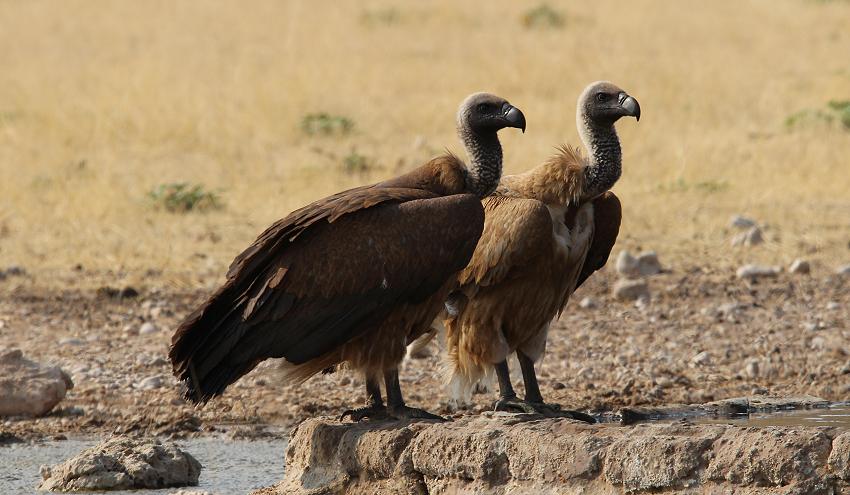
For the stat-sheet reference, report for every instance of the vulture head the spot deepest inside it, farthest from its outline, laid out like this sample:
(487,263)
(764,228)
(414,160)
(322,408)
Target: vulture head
(486,113)
(604,103)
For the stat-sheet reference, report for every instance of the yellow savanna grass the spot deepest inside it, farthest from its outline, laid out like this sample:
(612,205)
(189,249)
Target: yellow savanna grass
(102,101)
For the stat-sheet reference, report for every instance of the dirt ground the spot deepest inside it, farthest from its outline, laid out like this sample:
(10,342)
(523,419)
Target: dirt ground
(704,336)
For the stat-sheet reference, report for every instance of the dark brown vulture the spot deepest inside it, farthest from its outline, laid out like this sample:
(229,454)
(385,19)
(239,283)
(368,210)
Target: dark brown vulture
(351,278)
(545,232)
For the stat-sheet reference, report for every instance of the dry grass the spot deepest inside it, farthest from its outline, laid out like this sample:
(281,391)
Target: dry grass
(102,101)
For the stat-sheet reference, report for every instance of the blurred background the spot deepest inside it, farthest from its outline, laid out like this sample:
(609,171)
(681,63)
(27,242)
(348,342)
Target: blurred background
(152,141)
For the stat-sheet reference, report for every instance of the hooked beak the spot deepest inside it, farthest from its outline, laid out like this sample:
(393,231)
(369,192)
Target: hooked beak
(630,106)
(514,117)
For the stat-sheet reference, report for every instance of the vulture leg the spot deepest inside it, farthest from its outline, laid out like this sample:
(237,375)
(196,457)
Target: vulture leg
(508,400)
(374,408)
(395,402)
(534,399)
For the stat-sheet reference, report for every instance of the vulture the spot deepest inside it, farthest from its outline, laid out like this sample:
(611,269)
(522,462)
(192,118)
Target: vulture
(351,278)
(545,232)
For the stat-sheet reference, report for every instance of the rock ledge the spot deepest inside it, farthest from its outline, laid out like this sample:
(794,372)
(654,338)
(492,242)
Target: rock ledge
(500,453)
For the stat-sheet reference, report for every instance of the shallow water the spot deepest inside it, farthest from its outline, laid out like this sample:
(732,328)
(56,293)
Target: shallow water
(837,416)
(229,466)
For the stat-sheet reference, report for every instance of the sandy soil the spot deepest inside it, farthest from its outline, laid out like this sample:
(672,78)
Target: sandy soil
(705,336)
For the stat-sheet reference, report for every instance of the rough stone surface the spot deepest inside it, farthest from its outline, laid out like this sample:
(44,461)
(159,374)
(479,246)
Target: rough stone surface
(123,463)
(499,453)
(631,290)
(843,270)
(28,388)
(753,272)
(839,459)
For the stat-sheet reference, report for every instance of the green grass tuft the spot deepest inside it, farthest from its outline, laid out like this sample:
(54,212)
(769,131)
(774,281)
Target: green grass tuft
(543,16)
(182,197)
(326,124)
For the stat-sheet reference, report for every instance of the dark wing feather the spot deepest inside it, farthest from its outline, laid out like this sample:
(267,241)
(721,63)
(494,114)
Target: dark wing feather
(323,276)
(607,215)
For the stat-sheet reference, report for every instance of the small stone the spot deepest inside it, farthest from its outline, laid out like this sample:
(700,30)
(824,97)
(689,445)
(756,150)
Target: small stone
(627,265)
(587,303)
(818,343)
(753,272)
(158,361)
(642,303)
(664,382)
(648,263)
(701,359)
(558,386)
(751,237)
(843,270)
(71,341)
(831,305)
(752,369)
(150,383)
(741,222)
(147,328)
(810,326)
(800,267)
(759,391)
(130,329)
(631,290)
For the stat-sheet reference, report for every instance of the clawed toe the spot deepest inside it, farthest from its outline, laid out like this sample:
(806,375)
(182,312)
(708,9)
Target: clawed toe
(361,413)
(515,406)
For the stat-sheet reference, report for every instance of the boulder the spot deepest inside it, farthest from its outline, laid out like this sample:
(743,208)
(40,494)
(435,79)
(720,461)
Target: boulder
(500,453)
(28,388)
(123,463)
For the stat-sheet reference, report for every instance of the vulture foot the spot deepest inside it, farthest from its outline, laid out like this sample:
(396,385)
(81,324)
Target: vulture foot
(404,412)
(548,410)
(361,413)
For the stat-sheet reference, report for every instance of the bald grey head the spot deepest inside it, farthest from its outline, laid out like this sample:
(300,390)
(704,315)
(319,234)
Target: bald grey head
(600,105)
(479,118)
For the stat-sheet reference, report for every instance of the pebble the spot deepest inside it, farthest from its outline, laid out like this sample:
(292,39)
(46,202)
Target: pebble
(752,237)
(130,329)
(752,369)
(701,359)
(627,265)
(147,328)
(631,290)
(587,303)
(15,271)
(818,343)
(150,383)
(800,266)
(71,341)
(648,263)
(843,270)
(831,305)
(752,272)
(741,222)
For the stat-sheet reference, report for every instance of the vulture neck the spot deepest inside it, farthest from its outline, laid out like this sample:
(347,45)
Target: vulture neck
(485,155)
(605,163)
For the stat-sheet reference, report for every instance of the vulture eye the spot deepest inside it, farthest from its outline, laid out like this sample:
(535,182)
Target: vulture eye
(601,97)
(482,107)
